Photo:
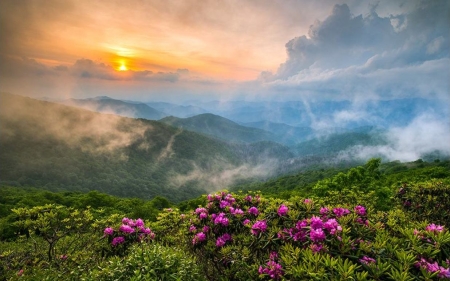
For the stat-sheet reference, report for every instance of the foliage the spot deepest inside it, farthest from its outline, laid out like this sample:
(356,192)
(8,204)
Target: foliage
(237,237)
(426,202)
(148,262)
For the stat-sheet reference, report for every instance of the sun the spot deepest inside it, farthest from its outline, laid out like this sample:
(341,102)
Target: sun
(123,67)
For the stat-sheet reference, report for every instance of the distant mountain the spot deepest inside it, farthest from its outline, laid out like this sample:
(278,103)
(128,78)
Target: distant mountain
(221,128)
(331,145)
(105,104)
(181,111)
(285,134)
(315,114)
(58,147)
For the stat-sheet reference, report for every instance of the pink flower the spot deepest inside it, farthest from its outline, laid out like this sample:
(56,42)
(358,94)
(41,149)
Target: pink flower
(192,228)
(147,230)
(324,211)
(108,231)
(340,212)
(367,260)
(237,212)
(126,228)
(200,210)
(139,223)
(360,210)
(248,198)
(282,210)
(20,273)
(221,219)
(205,228)
(118,240)
(246,221)
(220,242)
(315,248)
(199,237)
(317,235)
(307,201)
(224,204)
(316,223)
(253,211)
(203,216)
(434,228)
(273,269)
(258,227)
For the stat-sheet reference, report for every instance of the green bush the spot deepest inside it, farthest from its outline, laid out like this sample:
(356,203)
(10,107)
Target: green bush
(148,262)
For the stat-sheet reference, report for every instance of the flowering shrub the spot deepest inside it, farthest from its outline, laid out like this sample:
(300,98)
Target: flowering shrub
(131,231)
(276,240)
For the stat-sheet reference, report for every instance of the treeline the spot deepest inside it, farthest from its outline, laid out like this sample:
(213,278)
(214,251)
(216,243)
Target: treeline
(374,176)
(17,197)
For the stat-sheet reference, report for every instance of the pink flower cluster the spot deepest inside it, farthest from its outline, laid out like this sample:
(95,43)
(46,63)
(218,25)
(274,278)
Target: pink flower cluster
(433,267)
(272,268)
(259,227)
(221,240)
(283,210)
(434,228)
(367,260)
(315,228)
(128,228)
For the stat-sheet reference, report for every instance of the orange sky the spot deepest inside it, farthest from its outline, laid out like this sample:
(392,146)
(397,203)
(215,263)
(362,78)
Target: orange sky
(153,48)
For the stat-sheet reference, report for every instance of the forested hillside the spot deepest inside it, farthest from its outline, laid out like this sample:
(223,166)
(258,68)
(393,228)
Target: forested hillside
(57,147)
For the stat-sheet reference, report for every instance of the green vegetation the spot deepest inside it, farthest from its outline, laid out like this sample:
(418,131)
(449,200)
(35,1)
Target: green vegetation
(61,148)
(372,222)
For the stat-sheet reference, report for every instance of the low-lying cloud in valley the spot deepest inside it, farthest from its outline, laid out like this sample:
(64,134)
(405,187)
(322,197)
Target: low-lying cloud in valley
(425,135)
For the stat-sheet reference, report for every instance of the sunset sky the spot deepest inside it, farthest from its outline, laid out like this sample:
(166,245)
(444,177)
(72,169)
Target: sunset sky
(152,50)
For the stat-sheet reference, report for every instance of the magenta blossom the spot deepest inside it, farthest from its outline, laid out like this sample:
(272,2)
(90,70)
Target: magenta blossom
(259,227)
(108,231)
(203,216)
(273,269)
(139,223)
(367,260)
(199,237)
(282,210)
(434,228)
(118,240)
(126,229)
(221,219)
(220,242)
(246,221)
(307,201)
(253,211)
(324,211)
(340,212)
(316,222)
(317,235)
(315,248)
(192,228)
(360,210)
(224,204)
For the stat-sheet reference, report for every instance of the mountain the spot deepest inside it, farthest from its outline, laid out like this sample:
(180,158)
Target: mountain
(286,134)
(332,144)
(221,128)
(328,114)
(105,104)
(58,147)
(181,111)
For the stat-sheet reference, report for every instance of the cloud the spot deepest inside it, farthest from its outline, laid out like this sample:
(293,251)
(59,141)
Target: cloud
(345,55)
(426,134)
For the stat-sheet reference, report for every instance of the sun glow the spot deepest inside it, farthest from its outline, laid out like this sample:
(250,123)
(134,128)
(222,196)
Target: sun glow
(123,67)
